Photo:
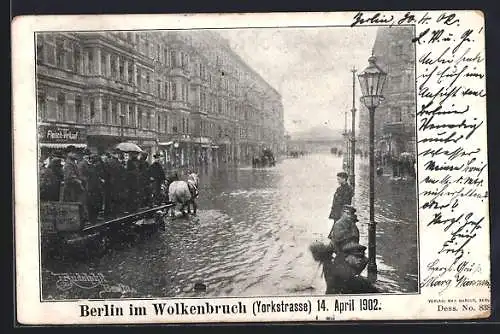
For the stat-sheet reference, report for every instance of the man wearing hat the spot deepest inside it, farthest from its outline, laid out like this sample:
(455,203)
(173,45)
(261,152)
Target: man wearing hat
(343,196)
(74,188)
(157,176)
(114,179)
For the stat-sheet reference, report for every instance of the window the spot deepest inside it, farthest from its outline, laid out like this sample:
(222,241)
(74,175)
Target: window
(78,109)
(174,91)
(104,70)
(92,110)
(139,118)
(130,73)
(148,120)
(77,58)
(138,78)
(121,63)
(90,56)
(158,89)
(165,56)
(60,52)
(187,125)
(148,83)
(39,50)
(146,46)
(68,56)
(167,87)
(396,114)
(50,50)
(61,107)
(173,57)
(105,111)
(114,113)
(166,124)
(158,122)
(114,73)
(42,106)
(396,83)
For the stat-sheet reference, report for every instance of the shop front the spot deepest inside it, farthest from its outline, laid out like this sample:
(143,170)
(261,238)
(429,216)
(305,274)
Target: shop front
(54,140)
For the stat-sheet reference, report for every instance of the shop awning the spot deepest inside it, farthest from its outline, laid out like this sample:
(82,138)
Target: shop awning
(215,146)
(166,143)
(63,145)
(205,145)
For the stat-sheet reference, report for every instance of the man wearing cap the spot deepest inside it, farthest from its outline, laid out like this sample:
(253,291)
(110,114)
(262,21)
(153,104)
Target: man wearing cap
(343,196)
(74,189)
(157,176)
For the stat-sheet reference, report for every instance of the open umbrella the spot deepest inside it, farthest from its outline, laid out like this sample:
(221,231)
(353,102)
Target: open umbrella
(128,147)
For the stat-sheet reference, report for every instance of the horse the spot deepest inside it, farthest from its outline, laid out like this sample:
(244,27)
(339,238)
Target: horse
(184,193)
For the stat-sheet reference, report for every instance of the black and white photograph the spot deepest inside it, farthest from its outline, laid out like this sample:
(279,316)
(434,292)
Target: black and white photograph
(227,162)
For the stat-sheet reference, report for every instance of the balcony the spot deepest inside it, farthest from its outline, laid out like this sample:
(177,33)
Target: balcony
(101,81)
(116,131)
(394,128)
(55,72)
(179,72)
(179,105)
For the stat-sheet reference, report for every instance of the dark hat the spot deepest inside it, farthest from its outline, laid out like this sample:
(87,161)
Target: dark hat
(342,175)
(86,152)
(156,156)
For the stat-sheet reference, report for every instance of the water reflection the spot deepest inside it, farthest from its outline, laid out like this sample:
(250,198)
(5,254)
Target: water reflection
(252,233)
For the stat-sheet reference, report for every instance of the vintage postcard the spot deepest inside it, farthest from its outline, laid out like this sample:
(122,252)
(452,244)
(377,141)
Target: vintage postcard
(250,167)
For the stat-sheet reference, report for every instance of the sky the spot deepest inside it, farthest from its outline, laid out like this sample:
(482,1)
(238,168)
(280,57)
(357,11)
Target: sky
(310,67)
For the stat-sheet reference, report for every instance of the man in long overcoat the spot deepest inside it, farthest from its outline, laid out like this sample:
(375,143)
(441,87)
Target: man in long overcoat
(133,191)
(157,176)
(74,188)
(343,196)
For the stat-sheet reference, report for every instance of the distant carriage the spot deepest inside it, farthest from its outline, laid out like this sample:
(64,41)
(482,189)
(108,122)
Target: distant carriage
(266,159)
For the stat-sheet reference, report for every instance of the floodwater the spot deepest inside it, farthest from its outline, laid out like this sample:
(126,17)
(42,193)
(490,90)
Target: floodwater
(251,237)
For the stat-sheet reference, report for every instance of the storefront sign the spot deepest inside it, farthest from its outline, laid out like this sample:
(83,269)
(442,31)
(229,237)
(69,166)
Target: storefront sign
(62,135)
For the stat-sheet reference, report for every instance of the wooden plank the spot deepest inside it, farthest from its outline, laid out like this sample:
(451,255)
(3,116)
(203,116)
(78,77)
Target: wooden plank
(128,218)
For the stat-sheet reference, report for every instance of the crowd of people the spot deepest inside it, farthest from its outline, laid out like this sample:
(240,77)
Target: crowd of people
(401,166)
(114,182)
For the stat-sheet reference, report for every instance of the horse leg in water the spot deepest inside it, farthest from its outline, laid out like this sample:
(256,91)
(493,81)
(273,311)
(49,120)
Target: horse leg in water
(183,206)
(194,207)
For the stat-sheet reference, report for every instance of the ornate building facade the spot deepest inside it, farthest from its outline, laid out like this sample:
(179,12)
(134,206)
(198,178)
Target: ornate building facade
(395,122)
(185,94)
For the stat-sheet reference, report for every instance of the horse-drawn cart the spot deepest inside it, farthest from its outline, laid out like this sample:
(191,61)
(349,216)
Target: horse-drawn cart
(64,231)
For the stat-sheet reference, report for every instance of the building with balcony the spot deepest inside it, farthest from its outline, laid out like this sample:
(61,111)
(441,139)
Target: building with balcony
(395,123)
(183,93)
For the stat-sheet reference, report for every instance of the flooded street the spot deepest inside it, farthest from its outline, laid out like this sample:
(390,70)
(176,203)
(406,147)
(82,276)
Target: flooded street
(251,237)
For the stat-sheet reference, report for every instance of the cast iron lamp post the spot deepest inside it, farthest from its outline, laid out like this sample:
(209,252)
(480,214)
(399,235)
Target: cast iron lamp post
(372,80)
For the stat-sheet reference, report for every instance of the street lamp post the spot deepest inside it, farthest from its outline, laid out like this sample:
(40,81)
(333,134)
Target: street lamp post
(353,130)
(372,80)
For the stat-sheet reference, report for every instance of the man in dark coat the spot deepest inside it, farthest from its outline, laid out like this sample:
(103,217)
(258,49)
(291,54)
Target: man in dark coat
(144,183)
(50,181)
(343,196)
(94,188)
(132,172)
(114,185)
(74,189)
(157,176)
